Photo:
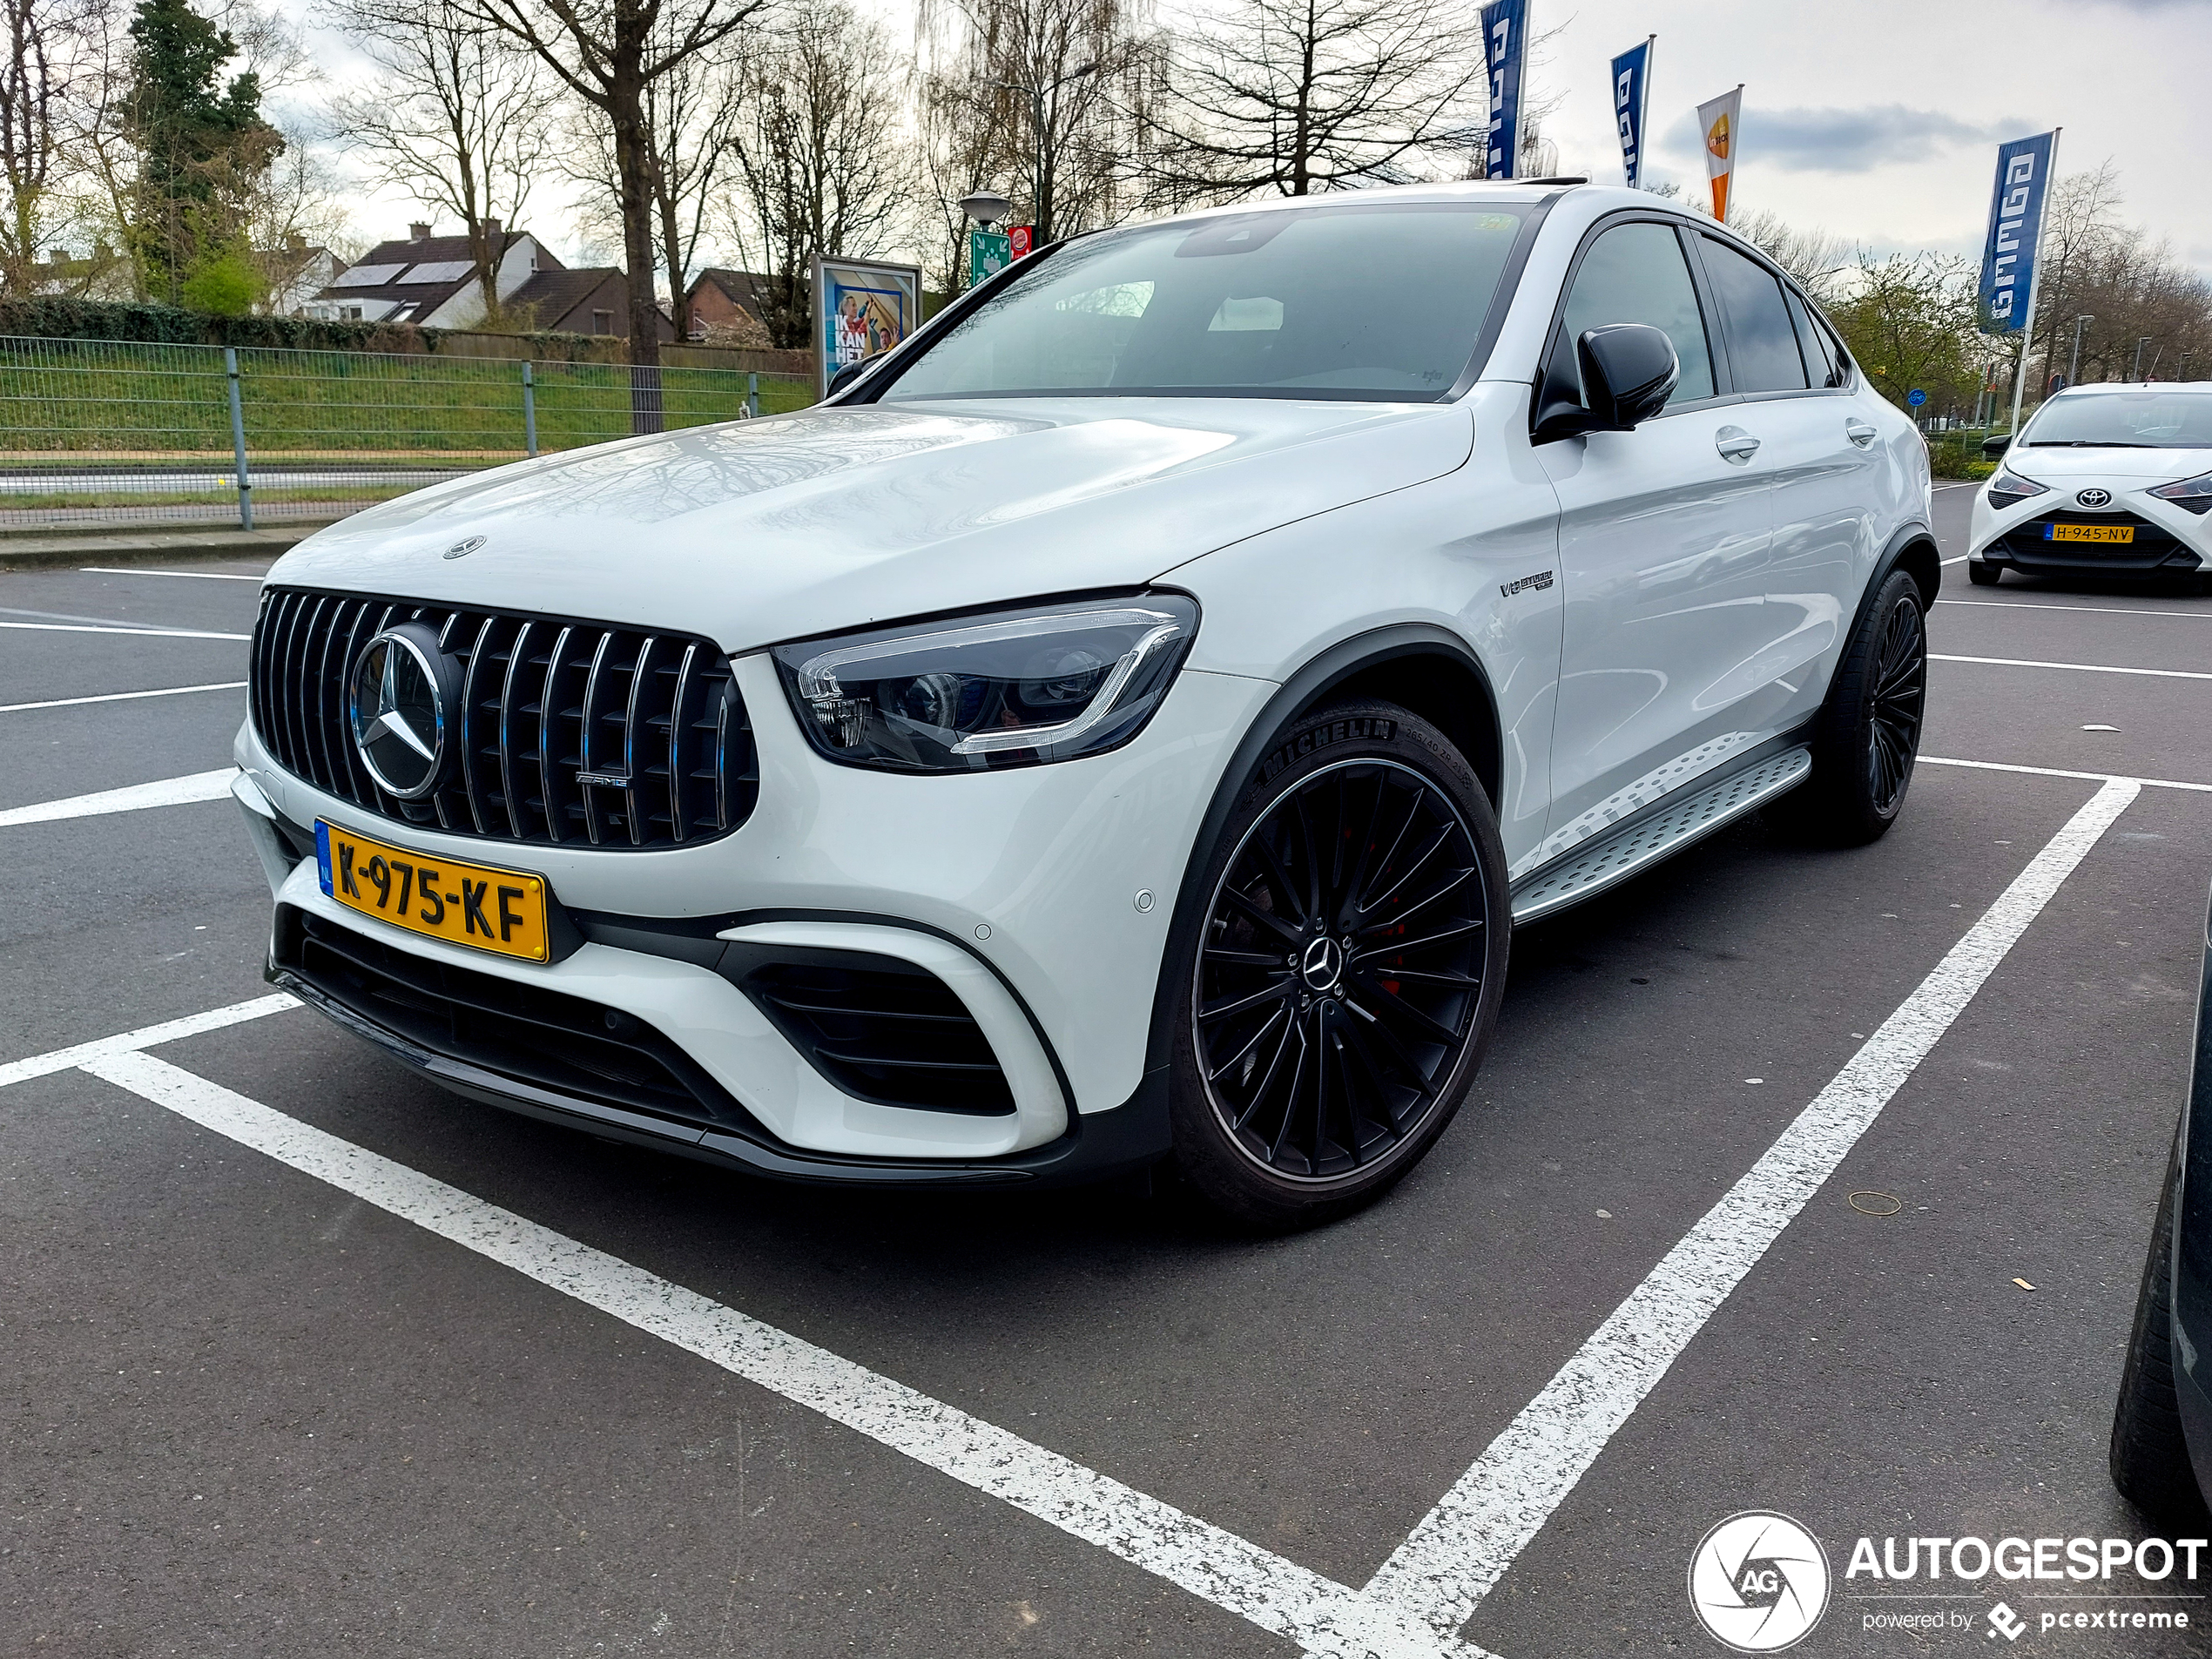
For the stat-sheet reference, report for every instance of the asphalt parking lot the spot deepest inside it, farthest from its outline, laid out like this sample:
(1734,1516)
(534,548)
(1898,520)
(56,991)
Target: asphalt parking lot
(303,1356)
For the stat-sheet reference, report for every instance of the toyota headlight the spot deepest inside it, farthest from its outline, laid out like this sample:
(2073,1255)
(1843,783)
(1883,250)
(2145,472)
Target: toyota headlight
(1012,688)
(2008,487)
(2190,495)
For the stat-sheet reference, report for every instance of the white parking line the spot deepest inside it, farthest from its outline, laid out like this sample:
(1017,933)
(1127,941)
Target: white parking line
(169,792)
(1324,1617)
(42,1065)
(2053,772)
(84,628)
(196,576)
(1467,1542)
(2079,668)
(2102,610)
(120,697)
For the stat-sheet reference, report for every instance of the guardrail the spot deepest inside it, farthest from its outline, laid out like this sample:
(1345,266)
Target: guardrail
(96,433)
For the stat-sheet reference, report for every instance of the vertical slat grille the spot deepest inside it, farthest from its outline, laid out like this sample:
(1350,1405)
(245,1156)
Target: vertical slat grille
(655,719)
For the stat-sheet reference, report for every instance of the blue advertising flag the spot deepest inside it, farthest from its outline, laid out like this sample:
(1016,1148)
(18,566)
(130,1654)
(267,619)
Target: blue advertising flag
(1631,97)
(2015,227)
(1505,30)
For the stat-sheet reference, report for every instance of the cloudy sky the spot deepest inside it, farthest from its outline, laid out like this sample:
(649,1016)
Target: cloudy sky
(1876,119)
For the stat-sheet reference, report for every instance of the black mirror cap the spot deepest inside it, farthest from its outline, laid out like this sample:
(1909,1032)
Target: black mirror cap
(1996,444)
(852,372)
(1629,370)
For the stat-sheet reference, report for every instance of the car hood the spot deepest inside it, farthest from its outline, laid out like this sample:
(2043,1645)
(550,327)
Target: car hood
(2044,466)
(775,528)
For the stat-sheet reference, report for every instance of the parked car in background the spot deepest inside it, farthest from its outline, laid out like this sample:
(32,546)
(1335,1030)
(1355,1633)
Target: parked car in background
(2108,481)
(2162,1430)
(1126,723)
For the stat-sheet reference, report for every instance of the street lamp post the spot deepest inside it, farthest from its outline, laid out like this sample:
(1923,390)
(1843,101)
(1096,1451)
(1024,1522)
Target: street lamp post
(2137,373)
(2073,363)
(1041,122)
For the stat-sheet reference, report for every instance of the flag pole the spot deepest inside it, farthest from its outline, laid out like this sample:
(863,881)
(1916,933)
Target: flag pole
(1644,111)
(2035,283)
(1735,153)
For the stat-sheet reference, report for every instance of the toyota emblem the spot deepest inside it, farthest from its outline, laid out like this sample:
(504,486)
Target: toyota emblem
(2093,497)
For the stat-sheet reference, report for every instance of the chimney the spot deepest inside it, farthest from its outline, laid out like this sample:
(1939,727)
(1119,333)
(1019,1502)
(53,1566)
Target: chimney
(418,232)
(294,242)
(493,229)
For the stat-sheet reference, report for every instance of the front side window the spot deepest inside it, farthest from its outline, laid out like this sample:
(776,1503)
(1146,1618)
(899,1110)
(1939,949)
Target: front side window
(1762,343)
(1384,302)
(1635,272)
(2159,420)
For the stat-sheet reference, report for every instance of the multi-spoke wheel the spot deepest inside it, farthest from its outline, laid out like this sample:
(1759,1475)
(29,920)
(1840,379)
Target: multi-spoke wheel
(1344,972)
(1868,733)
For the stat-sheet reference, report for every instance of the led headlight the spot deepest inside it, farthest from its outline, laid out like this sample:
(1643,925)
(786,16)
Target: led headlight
(2008,487)
(2190,495)
(1013,688)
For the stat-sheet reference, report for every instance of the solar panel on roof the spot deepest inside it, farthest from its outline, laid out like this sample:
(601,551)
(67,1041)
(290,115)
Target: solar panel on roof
(439,271)
(368,276)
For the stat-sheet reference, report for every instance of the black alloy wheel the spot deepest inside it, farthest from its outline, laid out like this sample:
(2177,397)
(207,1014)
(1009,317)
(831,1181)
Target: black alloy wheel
(1344,974)
(1896,704)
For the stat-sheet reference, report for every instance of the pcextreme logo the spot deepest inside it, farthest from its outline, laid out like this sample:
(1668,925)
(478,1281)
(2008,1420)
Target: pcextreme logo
(1758,1582)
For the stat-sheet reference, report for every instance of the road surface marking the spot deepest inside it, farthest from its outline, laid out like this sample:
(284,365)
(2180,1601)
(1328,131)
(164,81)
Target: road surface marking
(1464,1546)
(169,792)
(1324,1617)
(2054,771)
(2079,668)
(2102,610)
(40,1065)
(196,576)
(83,628)
(120,697)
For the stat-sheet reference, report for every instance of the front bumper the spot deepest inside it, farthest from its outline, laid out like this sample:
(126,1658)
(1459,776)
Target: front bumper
(1016,889)
(2167,541)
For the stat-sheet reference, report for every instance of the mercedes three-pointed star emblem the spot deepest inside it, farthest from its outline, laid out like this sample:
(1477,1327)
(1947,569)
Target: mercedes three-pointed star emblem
(398,709)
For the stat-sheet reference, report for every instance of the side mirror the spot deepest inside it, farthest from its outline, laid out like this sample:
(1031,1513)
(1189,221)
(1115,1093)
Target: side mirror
(852,372)
(1994,447)
(1629,370)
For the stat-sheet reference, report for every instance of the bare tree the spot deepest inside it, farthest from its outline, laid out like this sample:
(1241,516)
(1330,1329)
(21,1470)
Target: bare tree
(819,164)
(1294,97)
(1039,96)
(455,113)
(1820,260)
(32,125)
(609,53)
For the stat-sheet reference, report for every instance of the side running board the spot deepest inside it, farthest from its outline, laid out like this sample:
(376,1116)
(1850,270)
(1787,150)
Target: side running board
(1669,827)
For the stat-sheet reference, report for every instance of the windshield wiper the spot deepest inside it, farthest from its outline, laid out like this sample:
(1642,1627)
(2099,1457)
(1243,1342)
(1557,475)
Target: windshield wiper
(2086,443)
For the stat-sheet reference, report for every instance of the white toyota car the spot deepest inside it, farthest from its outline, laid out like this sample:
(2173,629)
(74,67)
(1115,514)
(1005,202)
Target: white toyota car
(2108,481)
(1125,722)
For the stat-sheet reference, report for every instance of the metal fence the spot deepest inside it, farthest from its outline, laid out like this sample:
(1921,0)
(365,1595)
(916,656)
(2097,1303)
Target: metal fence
(96,432)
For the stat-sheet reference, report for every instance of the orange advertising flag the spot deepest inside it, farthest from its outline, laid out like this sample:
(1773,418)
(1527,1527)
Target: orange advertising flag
(1721,121)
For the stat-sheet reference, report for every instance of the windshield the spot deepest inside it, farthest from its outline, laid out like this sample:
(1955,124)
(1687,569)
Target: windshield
(2167,419)
(1383,302)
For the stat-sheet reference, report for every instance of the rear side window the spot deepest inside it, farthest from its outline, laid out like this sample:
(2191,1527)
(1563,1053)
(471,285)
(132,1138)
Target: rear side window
(1762,343)
(1636,272)
(1821,361)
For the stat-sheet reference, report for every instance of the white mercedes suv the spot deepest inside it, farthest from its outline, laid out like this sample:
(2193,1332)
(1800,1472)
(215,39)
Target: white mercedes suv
(1125,722)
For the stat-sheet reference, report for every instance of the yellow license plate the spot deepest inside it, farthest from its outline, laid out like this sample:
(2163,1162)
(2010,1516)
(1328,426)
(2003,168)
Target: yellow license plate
(2088,532)
(476,905)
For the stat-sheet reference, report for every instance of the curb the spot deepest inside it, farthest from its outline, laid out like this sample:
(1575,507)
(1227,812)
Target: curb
(107,547)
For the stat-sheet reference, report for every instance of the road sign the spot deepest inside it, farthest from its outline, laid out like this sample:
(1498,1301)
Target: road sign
(1916,397)
(988,254)
(1023,240)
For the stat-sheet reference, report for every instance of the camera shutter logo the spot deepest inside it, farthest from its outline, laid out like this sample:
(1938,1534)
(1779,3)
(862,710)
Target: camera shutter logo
(1758,1582)
(2093,497)
(398,709)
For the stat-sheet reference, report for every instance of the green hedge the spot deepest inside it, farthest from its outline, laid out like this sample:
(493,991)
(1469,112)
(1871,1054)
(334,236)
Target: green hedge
(48,317)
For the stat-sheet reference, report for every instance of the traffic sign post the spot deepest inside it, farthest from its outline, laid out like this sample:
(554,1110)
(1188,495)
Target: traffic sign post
(988,254)
(1915,398)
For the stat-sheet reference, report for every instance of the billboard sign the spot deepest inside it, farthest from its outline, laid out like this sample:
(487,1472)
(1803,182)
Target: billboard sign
(862,307)
(2015,227)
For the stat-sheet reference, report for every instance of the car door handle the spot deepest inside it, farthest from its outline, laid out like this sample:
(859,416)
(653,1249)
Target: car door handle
(1736,443)
(1859,433)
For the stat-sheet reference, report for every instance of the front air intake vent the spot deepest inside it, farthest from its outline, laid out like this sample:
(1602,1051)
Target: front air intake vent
(566,732)
(900,1038)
